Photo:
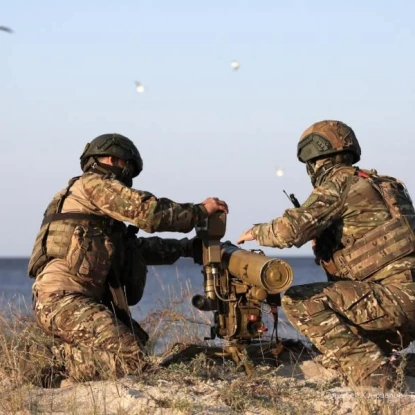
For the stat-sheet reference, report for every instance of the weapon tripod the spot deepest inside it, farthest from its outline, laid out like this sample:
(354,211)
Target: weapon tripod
(242,354)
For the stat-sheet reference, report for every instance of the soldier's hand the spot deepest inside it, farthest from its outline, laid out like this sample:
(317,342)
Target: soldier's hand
(246,237)
(213,204)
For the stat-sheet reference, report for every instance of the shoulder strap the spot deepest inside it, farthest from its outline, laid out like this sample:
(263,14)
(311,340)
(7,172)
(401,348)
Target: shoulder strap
(375,181)
(66,194)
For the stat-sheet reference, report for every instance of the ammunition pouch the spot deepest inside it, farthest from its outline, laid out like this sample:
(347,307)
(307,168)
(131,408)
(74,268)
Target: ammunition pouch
(89,254)
(81,239)
(378,248)
(329,266)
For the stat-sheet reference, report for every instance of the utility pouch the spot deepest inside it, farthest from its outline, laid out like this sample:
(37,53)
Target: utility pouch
(89,253)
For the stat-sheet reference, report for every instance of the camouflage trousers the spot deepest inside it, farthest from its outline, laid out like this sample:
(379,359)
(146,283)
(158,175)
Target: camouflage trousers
(91,341)
(355,325)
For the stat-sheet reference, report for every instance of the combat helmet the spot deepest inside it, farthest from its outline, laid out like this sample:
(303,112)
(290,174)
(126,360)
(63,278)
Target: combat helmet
(115,145)
(327,138)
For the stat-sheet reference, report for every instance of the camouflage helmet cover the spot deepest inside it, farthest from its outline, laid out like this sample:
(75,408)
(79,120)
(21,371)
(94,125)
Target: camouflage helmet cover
(115,145)
(325,138)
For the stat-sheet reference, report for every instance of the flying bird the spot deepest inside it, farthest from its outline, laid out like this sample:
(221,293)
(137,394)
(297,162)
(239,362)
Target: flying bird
(6,29)
(139,87)
(235,65)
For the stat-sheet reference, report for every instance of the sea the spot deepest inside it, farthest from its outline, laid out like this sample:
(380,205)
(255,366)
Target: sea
(166,302)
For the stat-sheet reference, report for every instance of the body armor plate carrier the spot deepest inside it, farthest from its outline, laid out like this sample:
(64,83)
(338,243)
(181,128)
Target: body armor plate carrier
(59,232)
(393,240)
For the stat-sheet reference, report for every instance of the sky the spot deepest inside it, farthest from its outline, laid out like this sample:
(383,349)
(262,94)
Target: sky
(67,75)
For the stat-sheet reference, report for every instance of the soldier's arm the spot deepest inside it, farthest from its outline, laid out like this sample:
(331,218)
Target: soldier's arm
(141,208)
(162,251)
(299,225)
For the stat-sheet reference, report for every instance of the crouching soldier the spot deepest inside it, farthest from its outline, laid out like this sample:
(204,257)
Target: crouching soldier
(90,267)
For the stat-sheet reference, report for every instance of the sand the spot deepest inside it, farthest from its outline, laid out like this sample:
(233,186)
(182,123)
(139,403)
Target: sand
(304,388)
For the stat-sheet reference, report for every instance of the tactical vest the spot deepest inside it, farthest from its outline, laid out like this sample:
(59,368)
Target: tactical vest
(392,240)
(91,245)
(83,239)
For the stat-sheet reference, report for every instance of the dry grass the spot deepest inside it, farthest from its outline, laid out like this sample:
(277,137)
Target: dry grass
(174,320)
(29,372)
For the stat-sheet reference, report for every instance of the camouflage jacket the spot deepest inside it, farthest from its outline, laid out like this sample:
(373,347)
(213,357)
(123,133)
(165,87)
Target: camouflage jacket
(344,206)
(94,194)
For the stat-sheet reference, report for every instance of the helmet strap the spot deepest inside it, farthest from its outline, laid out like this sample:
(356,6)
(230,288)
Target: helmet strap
(111,172)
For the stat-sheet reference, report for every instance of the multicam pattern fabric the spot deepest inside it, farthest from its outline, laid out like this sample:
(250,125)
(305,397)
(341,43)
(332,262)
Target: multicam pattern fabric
(140,208)
(354,324)
(348,321)
(69,304)
(342,208)
(95,343)
(93,194)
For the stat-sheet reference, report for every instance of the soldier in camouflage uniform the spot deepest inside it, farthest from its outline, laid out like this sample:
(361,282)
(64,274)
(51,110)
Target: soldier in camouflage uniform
(89,266)
(361,225)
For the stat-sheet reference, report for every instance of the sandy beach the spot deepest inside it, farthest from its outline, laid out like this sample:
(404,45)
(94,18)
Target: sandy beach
(199,387)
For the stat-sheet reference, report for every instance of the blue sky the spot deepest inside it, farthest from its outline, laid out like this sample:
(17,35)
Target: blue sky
(67,75)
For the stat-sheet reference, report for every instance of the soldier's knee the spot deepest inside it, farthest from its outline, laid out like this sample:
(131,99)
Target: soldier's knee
(85,363)
(290,300)
(304,292)
(292,294)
